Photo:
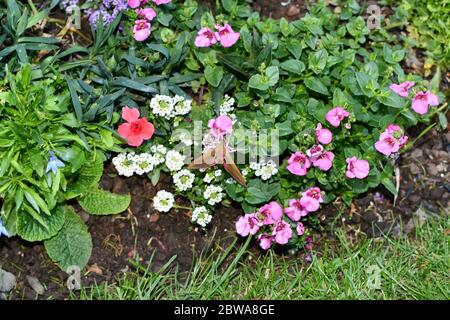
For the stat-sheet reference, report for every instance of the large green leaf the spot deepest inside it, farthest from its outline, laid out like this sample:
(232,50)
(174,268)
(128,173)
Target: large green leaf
(260,192)
(72,246)
(89,175)
(101,202)
(33,226)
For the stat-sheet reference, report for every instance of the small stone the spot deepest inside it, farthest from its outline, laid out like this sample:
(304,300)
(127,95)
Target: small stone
(414,169)
(84,216)
(7,281)
(95,269)
(154,218)
(441,167)
(432,169)
(417,153)
(419,217)
(292,11)
(36,285)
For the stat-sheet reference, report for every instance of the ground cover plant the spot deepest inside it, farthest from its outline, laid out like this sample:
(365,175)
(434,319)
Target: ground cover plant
(280,118)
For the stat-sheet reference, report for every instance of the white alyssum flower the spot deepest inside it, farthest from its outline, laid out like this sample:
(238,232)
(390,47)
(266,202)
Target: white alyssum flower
(209,177)
(230,181)
(201,216)
(183,180)
(244,172)
(218,173)
(254,165)
(213,194)
(266,170)
(159,148)
(181,105)
(163,201)
(185,139)
(174,160)
(162,106)
(124,164)
(227,106)
(144,163)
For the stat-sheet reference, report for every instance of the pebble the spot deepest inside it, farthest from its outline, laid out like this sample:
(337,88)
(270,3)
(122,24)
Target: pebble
(432,169)
(292,11)
(7,281)
(417,153)
(36,285)
(414,169)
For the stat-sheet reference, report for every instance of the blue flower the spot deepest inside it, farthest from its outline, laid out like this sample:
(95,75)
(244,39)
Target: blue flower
(3,229)
(54,163)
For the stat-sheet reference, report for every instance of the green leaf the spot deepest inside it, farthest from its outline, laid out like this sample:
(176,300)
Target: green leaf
(32,226)
(214,75)
(391,99)
(293,66)
(261,192)
(315,84)
(102,202)
(72,245)
(88,176)
(387,182)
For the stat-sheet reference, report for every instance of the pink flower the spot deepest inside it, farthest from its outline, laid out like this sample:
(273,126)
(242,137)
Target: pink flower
(300,229)
(402,89)
(221,126)
(135,130)
(205,38)
(226,35)
(393,128)
(323,135)
(357,168)
(160,2)
(135,3)
(142,29)
(422,100)
(295,210)
(324,161)
(336,115)
(310,204)
(282,232)
(387,144)
(247,224)
(314,193)
(265,241)
(298,164)
(270,213)
(315,151)
(402,141)
(147,13)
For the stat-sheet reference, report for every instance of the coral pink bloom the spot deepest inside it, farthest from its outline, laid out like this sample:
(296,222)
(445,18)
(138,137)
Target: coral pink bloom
(314,193)
(387,144)
(336,115)
(221,126)
(422,100)
(270,213)
(205,38)
(324,161)
(357,168)
(134,3)
(247,224)
(147,13)
(323,135)
(402,89)
(226,35)
(160,2)
(295,210)
(300,229)
(298,164)
(310,204)
(141,30)
(265,241)
(282,232)
(135,130)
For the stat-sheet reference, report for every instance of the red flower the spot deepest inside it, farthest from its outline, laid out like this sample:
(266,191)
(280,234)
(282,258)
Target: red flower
(135,130)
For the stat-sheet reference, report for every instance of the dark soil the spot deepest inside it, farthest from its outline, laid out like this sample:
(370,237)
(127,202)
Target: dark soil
(141,232)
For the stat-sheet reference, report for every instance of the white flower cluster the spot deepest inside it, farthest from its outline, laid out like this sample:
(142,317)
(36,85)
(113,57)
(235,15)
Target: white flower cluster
(264,169)
(213,194)
(131,163)
(210,176)
(227,106)
(163,201)
(201,216)
(168,107)
(183,180)
(174,160)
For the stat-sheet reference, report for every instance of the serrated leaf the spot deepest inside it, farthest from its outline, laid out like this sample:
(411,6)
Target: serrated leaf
(88,176)
(30,229)
(72,245)
(102,202)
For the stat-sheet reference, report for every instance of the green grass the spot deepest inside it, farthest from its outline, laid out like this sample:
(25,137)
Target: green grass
(416,267)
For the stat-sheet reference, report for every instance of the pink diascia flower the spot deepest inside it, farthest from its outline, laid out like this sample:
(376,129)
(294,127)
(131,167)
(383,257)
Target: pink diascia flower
(324,161)
(147,13)
(221,126)
(141,30)
(205,38)
(313,193)
(270,213)
(136,3)
(282,232)
(402,89)
(296,210)
(422,100)
(135,130)
(247,224)
(323,135)
(357,168)
(265,241)
(226,35)
(310,204)
(300,229)
(298,164)
(387,144)
(160,2)
(336,115)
